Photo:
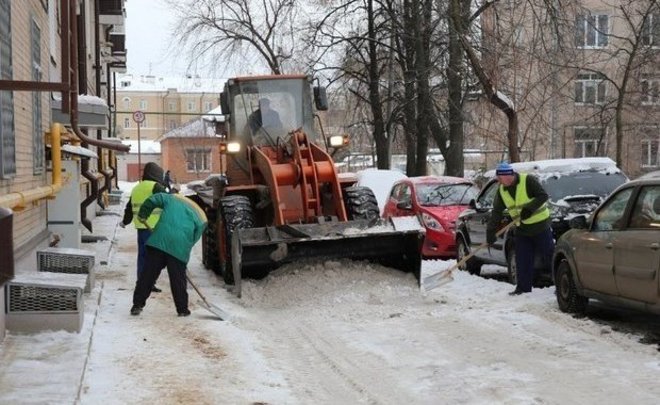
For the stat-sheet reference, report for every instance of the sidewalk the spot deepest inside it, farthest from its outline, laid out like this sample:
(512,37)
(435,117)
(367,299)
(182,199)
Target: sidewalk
(49,367)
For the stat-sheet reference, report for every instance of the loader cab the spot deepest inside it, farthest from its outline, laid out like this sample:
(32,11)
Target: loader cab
(264,110)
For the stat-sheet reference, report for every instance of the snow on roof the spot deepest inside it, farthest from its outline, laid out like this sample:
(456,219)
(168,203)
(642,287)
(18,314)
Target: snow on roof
(553,167)
(214,115)
(146,146)
(86,99)
(188,84)
(191,129)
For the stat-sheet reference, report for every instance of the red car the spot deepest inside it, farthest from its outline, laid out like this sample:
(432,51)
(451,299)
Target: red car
(437,201)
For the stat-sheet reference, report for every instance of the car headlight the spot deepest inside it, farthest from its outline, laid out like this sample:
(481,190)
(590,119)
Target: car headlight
(432,223)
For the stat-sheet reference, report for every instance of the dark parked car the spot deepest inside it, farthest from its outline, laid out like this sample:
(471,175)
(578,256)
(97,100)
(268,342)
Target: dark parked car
(575,187)
(614,256)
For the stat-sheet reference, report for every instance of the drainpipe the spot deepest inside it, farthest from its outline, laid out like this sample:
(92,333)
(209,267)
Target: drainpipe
(20,200)
(107,184)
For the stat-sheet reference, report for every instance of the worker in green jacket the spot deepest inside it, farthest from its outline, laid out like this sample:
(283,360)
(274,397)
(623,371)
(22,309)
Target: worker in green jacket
(181,224)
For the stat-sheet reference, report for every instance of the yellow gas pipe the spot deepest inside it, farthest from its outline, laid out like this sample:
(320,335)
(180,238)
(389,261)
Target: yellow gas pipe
(19,200)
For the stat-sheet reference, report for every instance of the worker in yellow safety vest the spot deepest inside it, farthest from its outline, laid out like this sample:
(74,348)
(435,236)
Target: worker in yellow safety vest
(526,201)
(151,183)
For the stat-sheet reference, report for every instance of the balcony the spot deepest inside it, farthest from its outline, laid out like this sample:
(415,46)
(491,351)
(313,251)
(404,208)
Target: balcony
(111,12)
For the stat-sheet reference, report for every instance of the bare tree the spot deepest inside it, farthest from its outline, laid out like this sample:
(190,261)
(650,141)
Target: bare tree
(220,30)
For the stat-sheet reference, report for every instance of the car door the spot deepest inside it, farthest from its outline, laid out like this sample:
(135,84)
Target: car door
(400,197)
(594,250)
(478,222)
(637,250)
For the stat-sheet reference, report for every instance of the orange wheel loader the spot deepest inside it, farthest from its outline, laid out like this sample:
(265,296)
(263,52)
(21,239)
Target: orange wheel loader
(278,197)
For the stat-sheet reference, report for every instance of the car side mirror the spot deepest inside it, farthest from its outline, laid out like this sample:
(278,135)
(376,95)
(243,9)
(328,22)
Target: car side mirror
(579,222)
(473,204)
(404,205)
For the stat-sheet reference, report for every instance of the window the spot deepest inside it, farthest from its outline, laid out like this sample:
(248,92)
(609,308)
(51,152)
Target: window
(143,105)
(38,149)
(198,160)
(171,106)
(589,142)
(650,91)
(127,103)
(127,122)
(171,124)
(650,152)
(590,88)
(191,106)
(651,30)
(143,124)
(208,106)
(646,213)
(591,31)
(610,216)
(7,135)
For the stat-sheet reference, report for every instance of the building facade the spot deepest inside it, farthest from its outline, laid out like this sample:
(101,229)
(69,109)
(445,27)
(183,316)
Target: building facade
(55,58)
(584,81)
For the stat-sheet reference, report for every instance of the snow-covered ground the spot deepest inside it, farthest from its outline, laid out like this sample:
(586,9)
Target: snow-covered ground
(333,332)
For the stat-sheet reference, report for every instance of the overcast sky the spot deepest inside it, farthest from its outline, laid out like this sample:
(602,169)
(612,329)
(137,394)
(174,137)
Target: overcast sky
(148,28)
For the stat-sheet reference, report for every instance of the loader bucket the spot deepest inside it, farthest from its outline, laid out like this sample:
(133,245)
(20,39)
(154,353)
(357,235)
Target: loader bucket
(390,242)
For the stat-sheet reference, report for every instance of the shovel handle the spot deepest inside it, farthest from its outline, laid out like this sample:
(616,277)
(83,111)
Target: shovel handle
(482,246)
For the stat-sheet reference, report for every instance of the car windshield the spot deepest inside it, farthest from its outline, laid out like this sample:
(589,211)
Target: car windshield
(582,184)
(435,194)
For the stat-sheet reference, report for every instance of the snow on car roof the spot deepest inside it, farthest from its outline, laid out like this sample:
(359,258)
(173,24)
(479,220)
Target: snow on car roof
(557,167)
(439,179)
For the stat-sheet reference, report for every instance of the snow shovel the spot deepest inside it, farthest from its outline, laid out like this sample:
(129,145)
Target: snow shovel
(445,276)
(214,309)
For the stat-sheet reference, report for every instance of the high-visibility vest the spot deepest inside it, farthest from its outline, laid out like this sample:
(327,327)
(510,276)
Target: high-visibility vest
(515,205)
(140,193)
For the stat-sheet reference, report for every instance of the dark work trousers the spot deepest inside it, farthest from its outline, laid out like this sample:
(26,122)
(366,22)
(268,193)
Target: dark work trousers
(527,248)
(155,261)
(143,235)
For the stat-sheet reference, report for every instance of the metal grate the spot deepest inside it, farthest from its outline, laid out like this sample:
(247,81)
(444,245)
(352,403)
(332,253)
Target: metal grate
(31,298)
(65,260)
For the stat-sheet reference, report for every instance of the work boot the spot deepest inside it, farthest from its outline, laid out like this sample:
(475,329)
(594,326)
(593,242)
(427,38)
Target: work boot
(518,292)
(156,289)
(184,313)
(136,309)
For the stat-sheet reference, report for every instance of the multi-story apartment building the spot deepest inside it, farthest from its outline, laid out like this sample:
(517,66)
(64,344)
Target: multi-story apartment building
(585,81)
(167,103)
(55,59)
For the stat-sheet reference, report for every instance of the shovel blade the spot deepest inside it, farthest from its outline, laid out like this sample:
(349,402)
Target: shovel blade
(436,280)
(214,309)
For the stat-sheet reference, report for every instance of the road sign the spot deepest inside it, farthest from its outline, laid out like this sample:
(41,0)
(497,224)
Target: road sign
(138,116)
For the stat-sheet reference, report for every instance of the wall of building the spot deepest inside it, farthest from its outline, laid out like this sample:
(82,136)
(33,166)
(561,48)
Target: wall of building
(131,160)
(30,222)
(174,157)
(165,110)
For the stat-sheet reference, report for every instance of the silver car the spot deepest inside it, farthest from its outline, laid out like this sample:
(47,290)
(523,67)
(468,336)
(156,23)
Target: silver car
(614,256)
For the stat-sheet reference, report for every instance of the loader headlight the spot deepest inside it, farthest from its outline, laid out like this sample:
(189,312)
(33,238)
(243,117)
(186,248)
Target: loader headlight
(233,147)
(431,223)
(337,141)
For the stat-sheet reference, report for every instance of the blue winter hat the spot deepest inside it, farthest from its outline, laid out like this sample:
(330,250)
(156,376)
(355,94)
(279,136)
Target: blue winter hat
(503,169)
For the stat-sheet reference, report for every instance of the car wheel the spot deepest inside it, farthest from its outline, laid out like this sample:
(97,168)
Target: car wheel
(568,298)
(511,267)
(472,265)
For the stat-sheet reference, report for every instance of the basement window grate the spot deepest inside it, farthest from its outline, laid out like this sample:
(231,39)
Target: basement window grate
(31,298)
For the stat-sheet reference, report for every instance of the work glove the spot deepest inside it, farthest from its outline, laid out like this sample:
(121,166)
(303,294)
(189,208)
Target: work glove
(490,238)
(525,213)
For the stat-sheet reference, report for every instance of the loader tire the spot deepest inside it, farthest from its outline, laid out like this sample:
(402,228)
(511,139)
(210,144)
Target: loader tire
(210,243)
(235,213)
(361,203)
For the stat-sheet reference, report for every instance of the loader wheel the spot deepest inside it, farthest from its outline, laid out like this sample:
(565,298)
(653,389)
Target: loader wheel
(472,265)
(210,243)
(361,203)
(235,213)
(568,299)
